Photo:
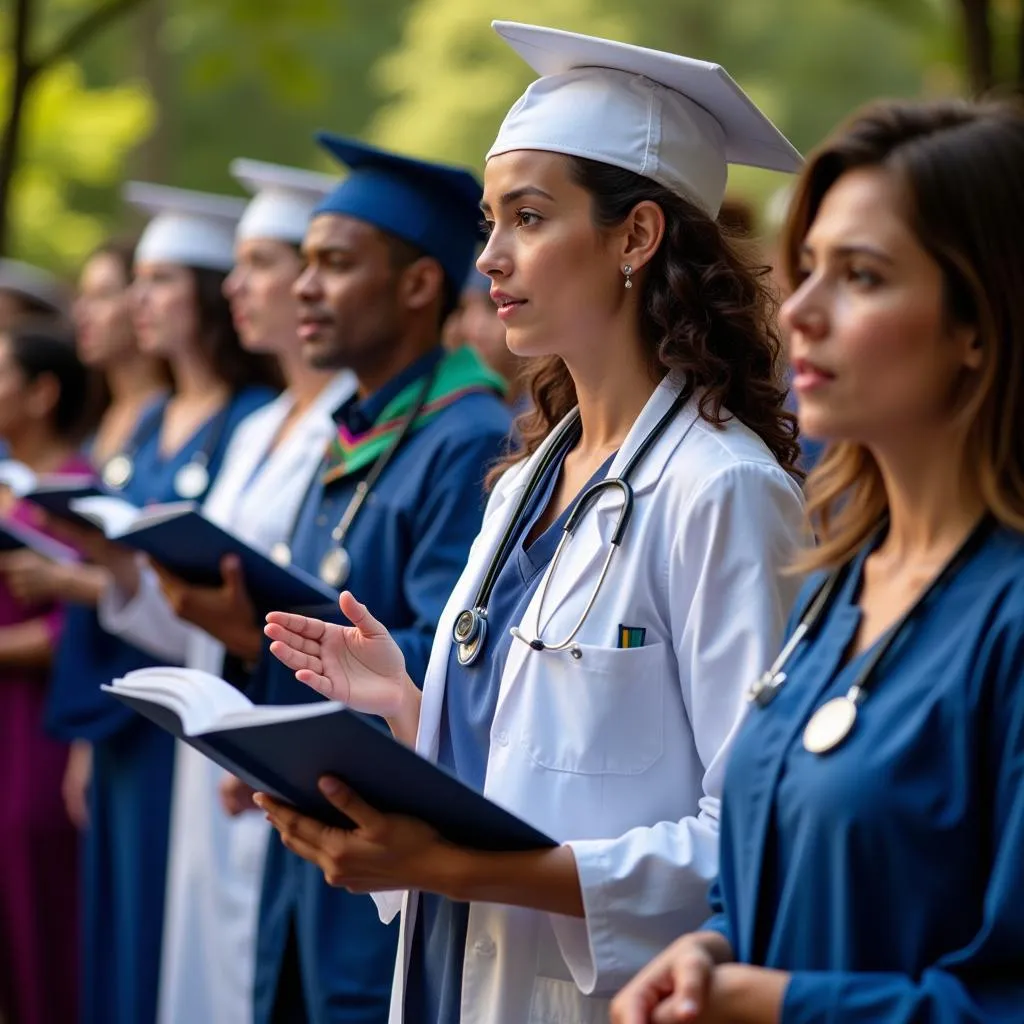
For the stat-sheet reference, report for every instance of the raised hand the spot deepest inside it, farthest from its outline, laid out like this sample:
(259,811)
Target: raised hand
(359,665)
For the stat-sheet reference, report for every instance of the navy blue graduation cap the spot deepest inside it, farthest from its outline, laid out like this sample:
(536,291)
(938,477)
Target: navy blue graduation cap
(435,207)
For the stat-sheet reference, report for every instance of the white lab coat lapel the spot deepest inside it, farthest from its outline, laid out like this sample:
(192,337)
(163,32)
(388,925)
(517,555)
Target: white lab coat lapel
(499,512)
(588,547)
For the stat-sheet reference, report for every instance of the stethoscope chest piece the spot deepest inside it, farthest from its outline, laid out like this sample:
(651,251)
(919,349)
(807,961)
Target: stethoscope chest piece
(829,726)
(281,553)
(192,480)
(335,567)
(469,634)
(118,471)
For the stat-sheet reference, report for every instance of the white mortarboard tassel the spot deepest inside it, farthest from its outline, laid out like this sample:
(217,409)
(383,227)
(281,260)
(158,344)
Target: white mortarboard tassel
(195,229)
(283,199)
(676,120)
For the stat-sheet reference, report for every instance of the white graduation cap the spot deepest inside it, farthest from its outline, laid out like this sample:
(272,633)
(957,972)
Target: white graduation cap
(35,284)
(676,120)
(195,229)
(283,199)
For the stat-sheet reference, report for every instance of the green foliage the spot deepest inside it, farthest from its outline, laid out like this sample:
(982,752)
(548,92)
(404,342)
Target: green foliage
(452,78)
(73,134)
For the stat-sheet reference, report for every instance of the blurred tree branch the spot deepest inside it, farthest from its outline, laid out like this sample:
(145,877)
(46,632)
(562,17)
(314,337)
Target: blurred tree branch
(27,70)
(84,30)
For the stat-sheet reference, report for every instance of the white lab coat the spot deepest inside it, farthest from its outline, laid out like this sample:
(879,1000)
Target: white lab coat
(621,754)
(215,863)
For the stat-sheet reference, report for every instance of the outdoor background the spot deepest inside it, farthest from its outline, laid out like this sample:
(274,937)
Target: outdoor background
(93,92)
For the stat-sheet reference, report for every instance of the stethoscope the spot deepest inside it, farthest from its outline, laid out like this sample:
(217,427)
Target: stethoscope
(336,564)
(831,723)
(192,480)
(470,630)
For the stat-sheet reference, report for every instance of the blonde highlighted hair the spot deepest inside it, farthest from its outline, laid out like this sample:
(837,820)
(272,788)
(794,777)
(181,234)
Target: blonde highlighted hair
(960,167)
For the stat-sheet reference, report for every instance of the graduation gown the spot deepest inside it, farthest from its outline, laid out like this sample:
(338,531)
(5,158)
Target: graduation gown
(888,875)
(408,546)
(129,808)
(38,843)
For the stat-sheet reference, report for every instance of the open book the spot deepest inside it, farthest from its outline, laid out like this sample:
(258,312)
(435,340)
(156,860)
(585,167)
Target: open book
(53,492)
(179,537)
(15,536)
(283,751)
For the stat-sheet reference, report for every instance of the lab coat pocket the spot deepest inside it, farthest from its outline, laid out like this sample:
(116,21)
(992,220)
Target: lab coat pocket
(601,714)
(561,1002)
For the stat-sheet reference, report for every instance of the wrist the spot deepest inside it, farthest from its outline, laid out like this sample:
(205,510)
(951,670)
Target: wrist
(743,992)
(715,945)
(448,871)
(404,723)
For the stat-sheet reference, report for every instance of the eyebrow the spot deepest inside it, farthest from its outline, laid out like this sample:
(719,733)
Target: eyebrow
(308,252)
(516,194)
(850,250)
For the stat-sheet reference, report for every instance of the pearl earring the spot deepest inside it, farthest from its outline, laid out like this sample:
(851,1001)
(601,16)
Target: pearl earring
(628,271)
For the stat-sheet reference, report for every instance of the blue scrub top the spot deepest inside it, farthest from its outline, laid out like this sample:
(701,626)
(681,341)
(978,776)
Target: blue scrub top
(409,545)
(434,983)
(888,875)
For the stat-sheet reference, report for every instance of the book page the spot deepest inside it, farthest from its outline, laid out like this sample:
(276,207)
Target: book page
(114,516)
(199,699)
(16,477)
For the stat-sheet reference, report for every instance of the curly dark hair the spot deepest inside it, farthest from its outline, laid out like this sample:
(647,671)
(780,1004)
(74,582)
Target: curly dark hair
(707,315)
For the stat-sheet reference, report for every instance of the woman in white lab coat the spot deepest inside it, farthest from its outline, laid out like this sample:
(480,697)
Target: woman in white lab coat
(215,861)
(602,720)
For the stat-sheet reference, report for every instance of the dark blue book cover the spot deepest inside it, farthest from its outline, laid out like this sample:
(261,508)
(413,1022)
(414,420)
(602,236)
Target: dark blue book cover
(287,758)
(192,547)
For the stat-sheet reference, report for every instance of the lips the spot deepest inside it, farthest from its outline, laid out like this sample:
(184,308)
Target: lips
(507,304)
(311,327)
(807,375)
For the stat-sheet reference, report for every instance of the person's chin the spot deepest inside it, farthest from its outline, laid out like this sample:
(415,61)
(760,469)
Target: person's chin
(323,353)
(526,342)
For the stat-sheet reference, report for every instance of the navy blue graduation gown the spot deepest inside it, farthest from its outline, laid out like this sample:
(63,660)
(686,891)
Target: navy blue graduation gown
(408,545)
(129,808)
(888,875)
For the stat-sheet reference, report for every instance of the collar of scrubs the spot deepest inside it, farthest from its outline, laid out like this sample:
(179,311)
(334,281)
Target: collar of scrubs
(366,428)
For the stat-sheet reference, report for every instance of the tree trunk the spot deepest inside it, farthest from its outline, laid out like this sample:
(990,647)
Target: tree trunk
(1019,81)
(978,44)
(21,79)
(151,161)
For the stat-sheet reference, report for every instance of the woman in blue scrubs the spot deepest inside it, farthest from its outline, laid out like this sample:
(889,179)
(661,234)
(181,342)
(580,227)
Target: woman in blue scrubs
(181,316)
(872,861)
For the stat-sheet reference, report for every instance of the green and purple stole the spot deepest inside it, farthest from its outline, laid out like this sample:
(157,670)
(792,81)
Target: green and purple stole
(459,373)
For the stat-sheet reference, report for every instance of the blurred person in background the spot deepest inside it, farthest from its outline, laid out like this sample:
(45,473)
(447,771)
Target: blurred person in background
(42,408)
(386,255)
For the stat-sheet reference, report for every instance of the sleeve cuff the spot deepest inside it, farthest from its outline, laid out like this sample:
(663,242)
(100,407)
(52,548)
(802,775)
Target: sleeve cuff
(144,620)
(389,904)
(811,997)
(719,923)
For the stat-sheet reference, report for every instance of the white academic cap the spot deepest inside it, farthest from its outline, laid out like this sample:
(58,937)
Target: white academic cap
(34,283)
(676,120)
(195,229)
(283,199)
